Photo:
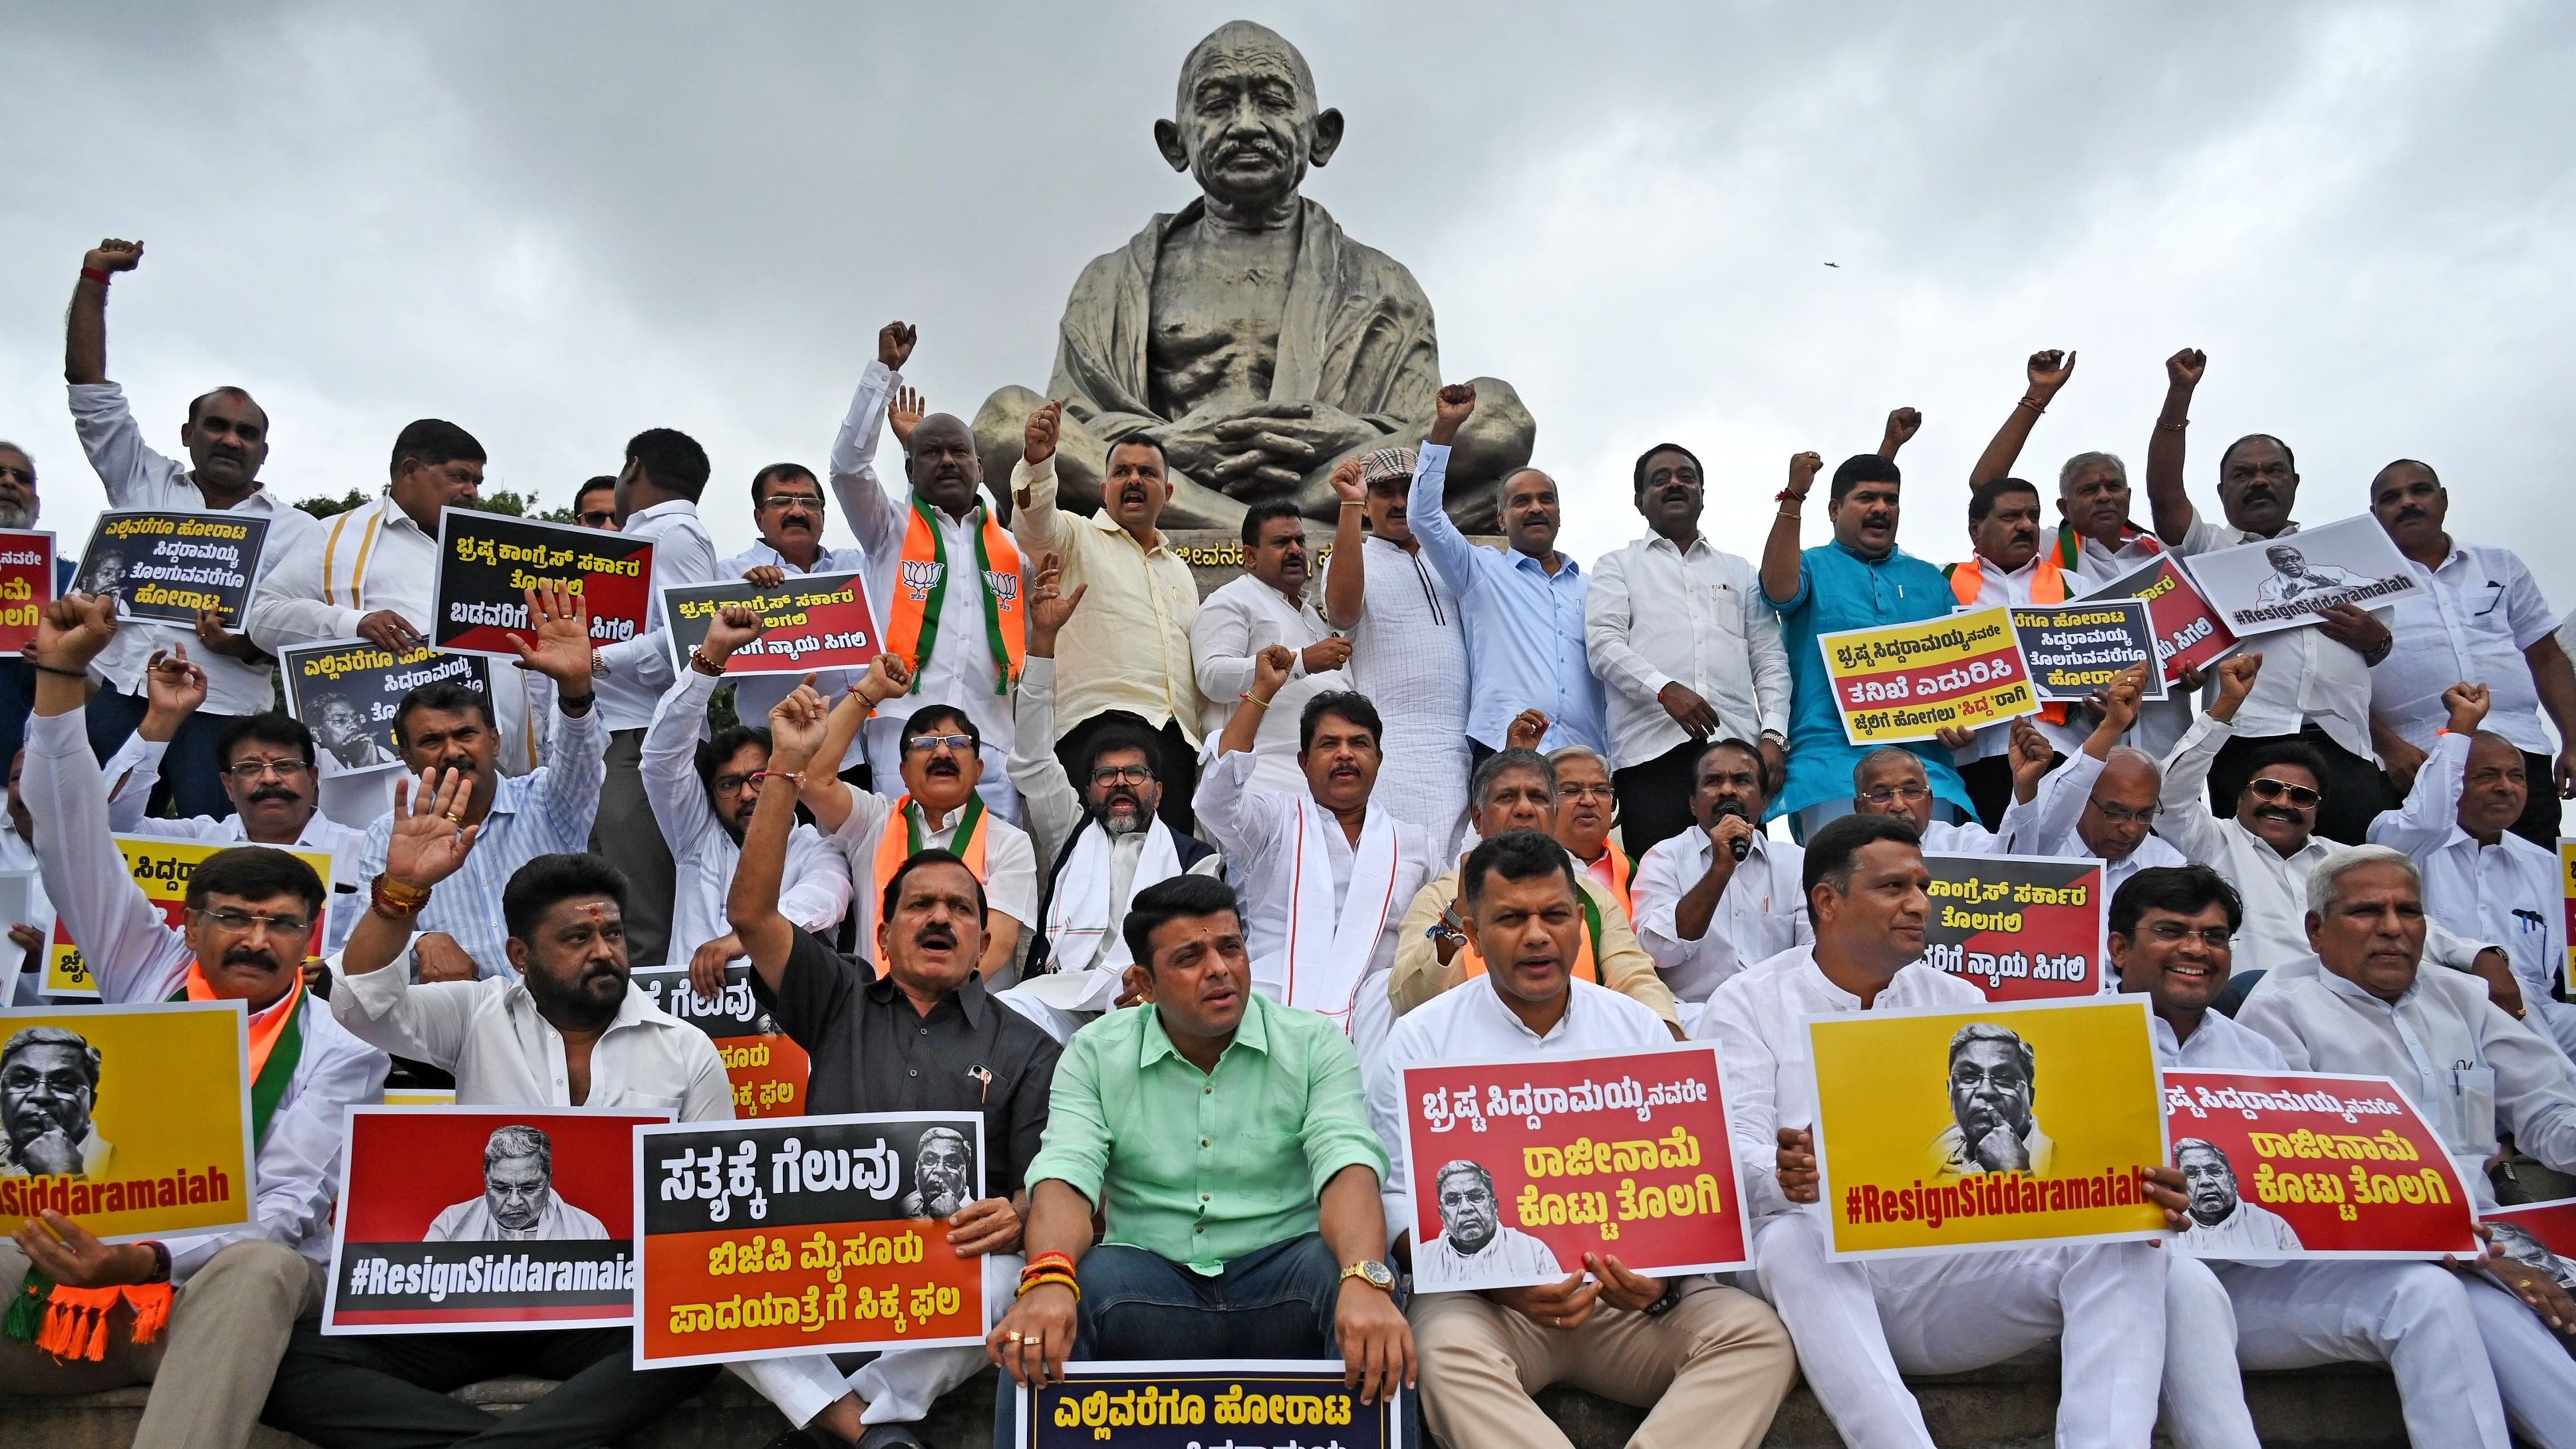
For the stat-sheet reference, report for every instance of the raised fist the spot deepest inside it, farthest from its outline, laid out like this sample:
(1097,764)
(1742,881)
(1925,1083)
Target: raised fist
(2049,371)
(1451,410)
(1040,436)
(114,254)
(2183,369)
(894,344)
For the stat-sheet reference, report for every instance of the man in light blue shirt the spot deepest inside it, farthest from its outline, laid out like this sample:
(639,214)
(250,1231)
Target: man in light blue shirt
(1860,580)
(1523,606)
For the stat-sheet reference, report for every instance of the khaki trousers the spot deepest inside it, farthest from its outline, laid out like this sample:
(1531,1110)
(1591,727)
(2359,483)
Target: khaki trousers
(1713,1370)
(210,1369)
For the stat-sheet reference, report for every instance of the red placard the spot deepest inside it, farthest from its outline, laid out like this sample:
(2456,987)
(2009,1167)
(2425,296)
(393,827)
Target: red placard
(488,561)
(414,1248)
(2312,1165)
(2022,928)
(1624,1154)
(26,585)
(2189,632)
(2539,1234)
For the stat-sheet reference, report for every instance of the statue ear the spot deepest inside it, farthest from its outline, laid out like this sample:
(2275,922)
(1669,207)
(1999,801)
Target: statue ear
(1167,139)
(1327,138)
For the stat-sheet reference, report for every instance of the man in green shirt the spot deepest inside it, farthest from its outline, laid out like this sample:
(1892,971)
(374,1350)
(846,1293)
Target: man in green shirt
(1225,1139)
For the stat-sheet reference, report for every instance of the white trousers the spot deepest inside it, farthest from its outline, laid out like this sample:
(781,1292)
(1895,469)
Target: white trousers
(2532,1370)
(898,1386)
(2413,1317)
(1859,1324)
(1055,1021)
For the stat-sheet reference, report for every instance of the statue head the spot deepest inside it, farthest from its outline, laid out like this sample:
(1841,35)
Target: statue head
(1245,124)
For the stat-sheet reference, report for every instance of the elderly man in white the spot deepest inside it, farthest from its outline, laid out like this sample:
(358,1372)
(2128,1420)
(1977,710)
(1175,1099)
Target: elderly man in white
(1859,1323)
(2469,1067)
(1890,781)
(1266,604)
(2104,800)
(2269,846)
(2480,878)
(2170,937)
(1324,873)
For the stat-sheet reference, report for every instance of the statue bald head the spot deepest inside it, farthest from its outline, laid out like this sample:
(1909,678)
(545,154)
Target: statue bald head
(1245,123)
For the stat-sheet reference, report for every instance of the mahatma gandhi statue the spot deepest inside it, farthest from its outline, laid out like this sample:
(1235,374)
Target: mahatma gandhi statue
(1247,333)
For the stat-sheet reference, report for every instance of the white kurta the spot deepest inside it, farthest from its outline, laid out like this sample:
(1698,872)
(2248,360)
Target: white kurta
(1235,623)
(1409,656)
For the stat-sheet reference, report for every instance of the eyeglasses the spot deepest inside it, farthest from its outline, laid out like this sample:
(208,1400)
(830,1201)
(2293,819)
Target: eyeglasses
(1584,792)
(230,918)
(2174,933)
(1881,794)
(2269,789)
(599,517)
(729,784)
(791,500)
(247,772)
(924,744)
(2121,815)
(23,475)
(1108,775)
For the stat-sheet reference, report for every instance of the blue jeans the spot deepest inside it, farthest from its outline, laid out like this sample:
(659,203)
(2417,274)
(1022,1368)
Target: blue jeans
(191,776)
(1276,1302)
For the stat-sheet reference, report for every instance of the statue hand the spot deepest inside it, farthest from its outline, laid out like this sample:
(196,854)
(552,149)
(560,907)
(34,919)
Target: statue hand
(1253,475)
(1295,435)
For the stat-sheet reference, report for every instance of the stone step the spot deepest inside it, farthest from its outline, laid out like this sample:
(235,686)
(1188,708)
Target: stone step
(2011,1406)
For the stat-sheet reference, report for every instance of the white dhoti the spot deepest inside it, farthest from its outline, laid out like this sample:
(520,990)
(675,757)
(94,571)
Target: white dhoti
(1858,1325)
(898,1386)
(2533,1373)
(2413,1317)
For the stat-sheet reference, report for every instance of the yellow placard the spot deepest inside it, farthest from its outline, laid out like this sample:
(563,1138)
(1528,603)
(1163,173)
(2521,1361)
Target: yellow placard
(161,867)
(132,1120)
(1897,682)
(1943,1130)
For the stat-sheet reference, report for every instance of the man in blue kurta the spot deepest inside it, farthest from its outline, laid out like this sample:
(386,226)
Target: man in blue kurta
(1860,580)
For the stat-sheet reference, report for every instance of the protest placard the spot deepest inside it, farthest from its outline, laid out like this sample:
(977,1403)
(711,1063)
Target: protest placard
(806,1235)
(2538,1234)
(1899,682)
(26,585)
(766,1068)
(488,561)
(2021,927)
(2189,634)
(810,622)
(22,903)
(1181,1404)
(132,1120)
(1518,1168)
(2075,650)
(1942,1131)
(477,1219)
(2311,1165)
(161,867)
(2567,896)
(346,692)
(2279,583)
(170,565)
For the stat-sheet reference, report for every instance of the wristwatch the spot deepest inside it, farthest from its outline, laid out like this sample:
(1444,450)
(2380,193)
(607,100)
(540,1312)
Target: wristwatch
(1377,1275)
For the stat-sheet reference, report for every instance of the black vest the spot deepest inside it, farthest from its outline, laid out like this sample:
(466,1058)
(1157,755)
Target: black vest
(1189,848)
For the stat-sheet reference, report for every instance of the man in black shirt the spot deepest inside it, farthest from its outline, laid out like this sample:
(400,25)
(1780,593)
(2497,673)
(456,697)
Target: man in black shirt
(923,1037)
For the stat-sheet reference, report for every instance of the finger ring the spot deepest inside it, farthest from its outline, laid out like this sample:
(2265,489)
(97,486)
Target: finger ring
(1015,1335)
(456,816)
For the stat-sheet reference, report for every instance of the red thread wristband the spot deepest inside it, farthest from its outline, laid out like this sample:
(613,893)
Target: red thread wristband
(93,274)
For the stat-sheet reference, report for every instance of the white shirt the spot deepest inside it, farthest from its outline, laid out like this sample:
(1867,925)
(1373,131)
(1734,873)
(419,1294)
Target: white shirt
(2508,892)
(1409,656)
(137,477)
(1010,861)
(1257,830)
(755,695)
(1470,1023)
(471,1221)
(1967,837)
(2307,678)
(2218,1044)
(136,767)
(815,891)
(137,956)
(960,670)
(27,988)
(1761,913)
(2472,619)
(2063,793)
(639,669)
(488,1033)
(547,812)
(1757,1020)
(1657,614)
(2464,1064)
(1235,623)
(355,563)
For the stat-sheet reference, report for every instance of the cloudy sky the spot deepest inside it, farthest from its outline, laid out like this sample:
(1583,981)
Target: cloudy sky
(559,224)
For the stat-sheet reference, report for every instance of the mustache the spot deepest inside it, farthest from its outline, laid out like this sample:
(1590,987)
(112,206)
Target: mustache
(274,792)
(936,936)
(253,958)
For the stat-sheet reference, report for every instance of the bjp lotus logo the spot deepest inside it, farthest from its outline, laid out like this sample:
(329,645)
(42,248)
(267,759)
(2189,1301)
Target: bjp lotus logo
(920,576)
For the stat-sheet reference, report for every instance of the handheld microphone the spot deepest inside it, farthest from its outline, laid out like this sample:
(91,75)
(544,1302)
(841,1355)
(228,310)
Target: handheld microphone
(1732,806)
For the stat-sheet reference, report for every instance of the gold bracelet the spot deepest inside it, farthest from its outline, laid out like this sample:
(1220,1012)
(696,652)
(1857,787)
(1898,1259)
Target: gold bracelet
(1247,698)
(1355,503)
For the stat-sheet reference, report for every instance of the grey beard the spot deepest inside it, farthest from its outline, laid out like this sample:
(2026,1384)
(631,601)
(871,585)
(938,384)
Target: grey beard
(12,516)
(1132,825)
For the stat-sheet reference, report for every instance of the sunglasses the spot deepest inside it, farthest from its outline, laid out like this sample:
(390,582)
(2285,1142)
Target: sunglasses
(599,518)
(23,475)
(2298,795)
